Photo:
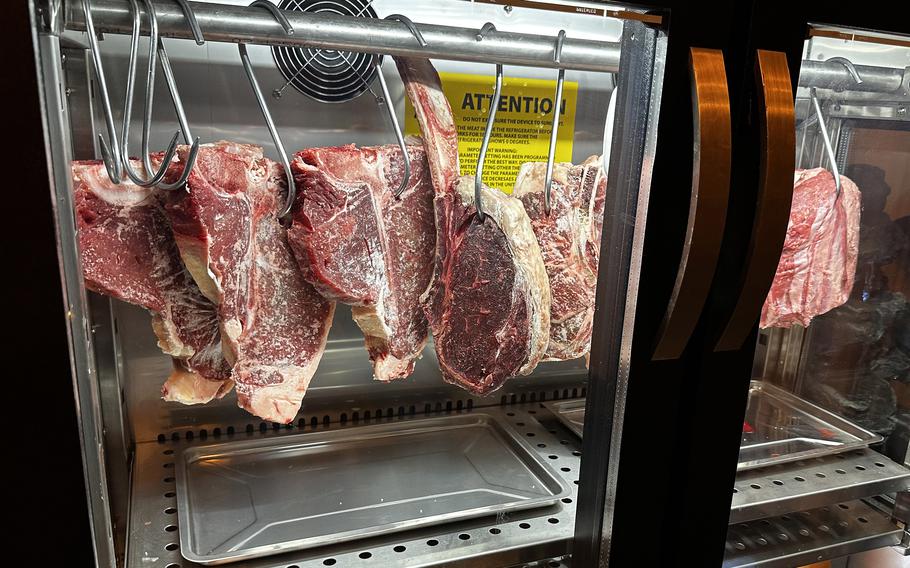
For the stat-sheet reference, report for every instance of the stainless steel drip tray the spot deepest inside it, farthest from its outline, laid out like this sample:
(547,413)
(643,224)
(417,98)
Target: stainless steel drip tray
(247,499)
(571,413)
(781,427)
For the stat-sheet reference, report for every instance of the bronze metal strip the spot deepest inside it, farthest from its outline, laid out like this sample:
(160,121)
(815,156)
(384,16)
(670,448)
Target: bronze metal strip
(587,10)
(777,125)
(708,202)
(813,32)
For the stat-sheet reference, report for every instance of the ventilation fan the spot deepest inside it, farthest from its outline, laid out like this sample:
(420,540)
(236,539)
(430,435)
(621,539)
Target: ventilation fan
(326,75)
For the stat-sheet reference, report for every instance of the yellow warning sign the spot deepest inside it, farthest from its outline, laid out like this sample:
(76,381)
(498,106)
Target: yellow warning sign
(521,132)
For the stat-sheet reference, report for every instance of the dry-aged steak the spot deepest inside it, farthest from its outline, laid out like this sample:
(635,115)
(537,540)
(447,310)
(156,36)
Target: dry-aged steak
(488,303)
(569,238)
(274,324)
(818,262)
(129,253)
(360,245)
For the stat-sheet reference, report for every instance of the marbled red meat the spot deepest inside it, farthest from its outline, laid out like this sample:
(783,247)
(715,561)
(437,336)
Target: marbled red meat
(359,244)
(128,252)
(274,324)
(818,262)
(488,302)
(569,238)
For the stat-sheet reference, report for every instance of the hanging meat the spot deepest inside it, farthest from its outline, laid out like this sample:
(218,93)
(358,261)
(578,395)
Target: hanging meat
(274,324)
(359,244)
(818,262)
(128,252)
(569,239)
(488,303)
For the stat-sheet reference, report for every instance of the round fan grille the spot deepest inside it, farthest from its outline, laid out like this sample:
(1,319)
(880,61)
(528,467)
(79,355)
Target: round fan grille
(325,74)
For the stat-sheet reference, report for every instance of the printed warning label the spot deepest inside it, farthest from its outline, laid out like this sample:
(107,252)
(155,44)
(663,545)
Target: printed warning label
(521,132)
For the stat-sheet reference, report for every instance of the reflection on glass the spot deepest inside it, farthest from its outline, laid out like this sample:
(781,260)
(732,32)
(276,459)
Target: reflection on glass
(836,335)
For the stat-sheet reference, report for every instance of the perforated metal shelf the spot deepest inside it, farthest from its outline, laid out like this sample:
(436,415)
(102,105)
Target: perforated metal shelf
(809,536)
(812,483)
(533,536)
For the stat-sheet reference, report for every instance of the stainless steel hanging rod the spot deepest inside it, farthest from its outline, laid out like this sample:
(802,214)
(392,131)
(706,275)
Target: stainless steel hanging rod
(832,75)
(238,24)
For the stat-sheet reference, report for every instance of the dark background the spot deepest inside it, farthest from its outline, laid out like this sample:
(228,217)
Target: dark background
(47,503)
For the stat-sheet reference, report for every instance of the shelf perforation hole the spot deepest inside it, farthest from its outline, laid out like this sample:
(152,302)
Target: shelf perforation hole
(777,482)
(173,565)
(170,510)
(879,464)
(740,546)
(553,520)
(432,542)
(840,471)
(799,478)
(400,548)
(170,494)
(843,506)
(464,536)
(566,469)
(365,555)
(567,500)
(862,519)
(172,546)
(524,525)
(170,528)
(329,562)
(168,480)
(860,468)
(762,541)
(783,537)
(168,452)
(755,486)
(494,530)
(820,475)
(804,532)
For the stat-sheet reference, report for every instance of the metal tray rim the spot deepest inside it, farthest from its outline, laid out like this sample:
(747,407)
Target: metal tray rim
(559,409)
(557,486)
(865,438)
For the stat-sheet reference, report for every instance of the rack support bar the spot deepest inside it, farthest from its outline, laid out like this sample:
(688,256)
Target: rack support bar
(237,24)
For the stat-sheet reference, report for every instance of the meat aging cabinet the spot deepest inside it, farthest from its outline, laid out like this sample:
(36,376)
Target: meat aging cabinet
(423,472)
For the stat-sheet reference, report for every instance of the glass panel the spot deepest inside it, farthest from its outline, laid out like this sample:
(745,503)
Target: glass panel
(836,324)
(399,428)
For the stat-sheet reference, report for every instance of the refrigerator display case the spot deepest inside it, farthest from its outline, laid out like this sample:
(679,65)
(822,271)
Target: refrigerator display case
(832,337)
(413,472)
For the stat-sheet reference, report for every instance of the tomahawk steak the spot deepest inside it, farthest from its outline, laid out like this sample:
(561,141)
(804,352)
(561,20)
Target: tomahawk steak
(488,303)
(569,238)
(818,263)
(274,325)
(359,244)
(128,252)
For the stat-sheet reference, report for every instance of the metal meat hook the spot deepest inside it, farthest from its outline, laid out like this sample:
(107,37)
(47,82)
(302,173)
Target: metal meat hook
(494,104)
(832,159)
(560,79)
(391,111)
(110,156)
(158,175)
(178,102)
(263,106)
